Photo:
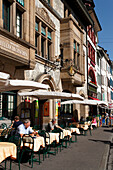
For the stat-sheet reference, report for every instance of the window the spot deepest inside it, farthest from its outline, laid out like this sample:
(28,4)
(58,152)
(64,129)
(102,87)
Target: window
(97,59)
(6,15)
(49,50)
(8,102)
(36,43)
(49,35)
(21,2)
(44,35)
(42,46)
(43,30)
(99,79)
(78,54)
(36,26)
(18,23)
(74,46)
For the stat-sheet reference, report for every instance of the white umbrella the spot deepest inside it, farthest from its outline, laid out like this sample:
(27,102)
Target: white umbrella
(42,94)
(22,84)
(85,102)
(3,78)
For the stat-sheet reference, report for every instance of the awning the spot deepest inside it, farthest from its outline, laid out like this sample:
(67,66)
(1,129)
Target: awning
(42,94)
(22,84)
(94,98)
(3,78)
(85,102)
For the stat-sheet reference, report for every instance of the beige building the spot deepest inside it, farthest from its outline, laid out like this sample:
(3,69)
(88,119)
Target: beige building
(17,46)
(74,55)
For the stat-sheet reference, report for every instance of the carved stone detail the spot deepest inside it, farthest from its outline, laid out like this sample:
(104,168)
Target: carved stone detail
(44,14)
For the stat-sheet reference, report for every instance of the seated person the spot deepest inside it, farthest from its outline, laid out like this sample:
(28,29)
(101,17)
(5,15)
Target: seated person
(82,120)
(52,125)
(17,122)
(94,122)
(26,129)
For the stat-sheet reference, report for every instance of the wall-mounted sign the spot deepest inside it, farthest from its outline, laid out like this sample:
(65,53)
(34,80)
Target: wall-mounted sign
(46,109)
(12,47)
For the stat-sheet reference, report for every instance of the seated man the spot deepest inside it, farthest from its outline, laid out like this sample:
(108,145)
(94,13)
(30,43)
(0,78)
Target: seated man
(26,129)
(53,125)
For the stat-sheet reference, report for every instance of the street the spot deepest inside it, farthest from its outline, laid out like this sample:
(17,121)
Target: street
(89,153)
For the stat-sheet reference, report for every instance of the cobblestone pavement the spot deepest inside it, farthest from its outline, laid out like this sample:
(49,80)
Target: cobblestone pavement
(89,153)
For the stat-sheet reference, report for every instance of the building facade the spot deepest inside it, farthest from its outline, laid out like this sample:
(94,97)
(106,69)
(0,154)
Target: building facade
(17,47)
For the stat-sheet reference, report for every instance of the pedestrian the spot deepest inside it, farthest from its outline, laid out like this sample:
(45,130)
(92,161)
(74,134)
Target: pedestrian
(107,118)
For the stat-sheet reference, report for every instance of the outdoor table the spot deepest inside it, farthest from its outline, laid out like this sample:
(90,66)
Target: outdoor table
(38,142)
(65,133)
(7,149)
(75,130)
(53,137)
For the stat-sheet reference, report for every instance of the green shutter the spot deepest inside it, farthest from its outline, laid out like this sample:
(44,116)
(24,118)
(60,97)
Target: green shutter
(21,2)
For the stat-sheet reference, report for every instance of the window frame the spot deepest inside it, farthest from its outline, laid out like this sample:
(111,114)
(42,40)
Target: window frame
(20,26)
(7,5)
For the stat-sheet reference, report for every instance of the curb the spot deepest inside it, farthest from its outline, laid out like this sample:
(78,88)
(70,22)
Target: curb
(103,164)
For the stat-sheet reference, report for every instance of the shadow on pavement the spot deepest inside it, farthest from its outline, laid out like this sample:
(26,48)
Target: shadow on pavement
(110,130)
(103,141)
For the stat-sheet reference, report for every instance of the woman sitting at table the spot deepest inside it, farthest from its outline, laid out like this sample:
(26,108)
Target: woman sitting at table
(26,129)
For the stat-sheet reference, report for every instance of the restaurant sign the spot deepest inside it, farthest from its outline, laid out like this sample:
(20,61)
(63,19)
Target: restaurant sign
(13,47)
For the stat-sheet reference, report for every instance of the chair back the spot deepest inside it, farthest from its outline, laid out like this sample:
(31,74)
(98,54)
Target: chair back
(16,139)
(3,126)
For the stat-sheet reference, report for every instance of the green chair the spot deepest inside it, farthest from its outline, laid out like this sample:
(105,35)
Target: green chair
(4,135)
(45,150)
(36,127)
(31,151)
(3,126)
(16,139)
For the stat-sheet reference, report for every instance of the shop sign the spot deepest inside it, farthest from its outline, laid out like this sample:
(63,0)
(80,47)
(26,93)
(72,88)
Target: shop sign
(56,110)
(110,105)
(36,108)
(12,47)
(46,109)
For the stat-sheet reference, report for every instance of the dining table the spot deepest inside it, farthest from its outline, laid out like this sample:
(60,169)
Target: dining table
(38,142)
(52,137)
(7,149)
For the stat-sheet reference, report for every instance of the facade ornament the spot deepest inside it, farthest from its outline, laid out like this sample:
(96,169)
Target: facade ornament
(44,14)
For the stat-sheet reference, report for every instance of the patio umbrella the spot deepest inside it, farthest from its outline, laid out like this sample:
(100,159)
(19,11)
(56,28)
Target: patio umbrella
(3,78)
(85,102)
(22,84)
(42,94)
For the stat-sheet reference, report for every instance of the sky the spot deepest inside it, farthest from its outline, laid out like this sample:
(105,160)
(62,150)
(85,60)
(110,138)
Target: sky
(104,11)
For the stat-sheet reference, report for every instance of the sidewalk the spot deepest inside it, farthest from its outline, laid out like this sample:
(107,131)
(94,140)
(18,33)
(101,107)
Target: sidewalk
(89,153)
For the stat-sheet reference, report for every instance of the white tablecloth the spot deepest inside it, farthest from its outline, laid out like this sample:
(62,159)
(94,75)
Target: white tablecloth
(7,149)
(53,137)
(38,142)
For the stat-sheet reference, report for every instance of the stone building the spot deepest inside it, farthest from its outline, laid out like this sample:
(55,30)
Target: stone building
(92,40)
(17,47)
(74,54)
